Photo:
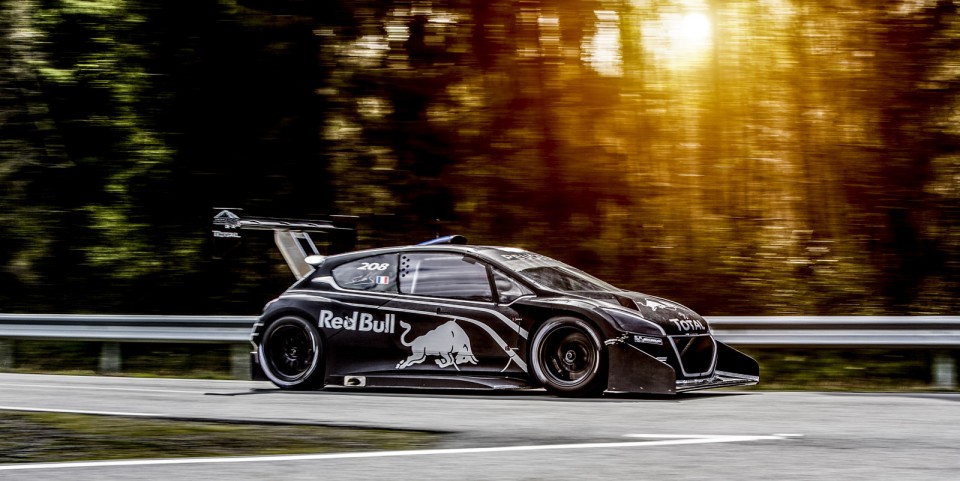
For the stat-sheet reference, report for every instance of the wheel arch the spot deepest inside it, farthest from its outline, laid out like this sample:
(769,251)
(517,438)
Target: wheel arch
(284,306)
(540,312)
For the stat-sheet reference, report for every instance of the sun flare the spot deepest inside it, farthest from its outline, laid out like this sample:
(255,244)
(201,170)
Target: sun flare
(691,30)
(679,40)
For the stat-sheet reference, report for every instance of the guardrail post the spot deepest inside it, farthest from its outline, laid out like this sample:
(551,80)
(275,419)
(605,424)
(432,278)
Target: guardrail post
(944,370)
(240,361)
(110,358)
(6,354)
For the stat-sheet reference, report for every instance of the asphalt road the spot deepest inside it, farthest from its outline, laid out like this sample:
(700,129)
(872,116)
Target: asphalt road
(745,435)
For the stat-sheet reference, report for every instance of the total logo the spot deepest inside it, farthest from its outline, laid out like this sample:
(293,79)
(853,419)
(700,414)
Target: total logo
(688,325)
(358,321)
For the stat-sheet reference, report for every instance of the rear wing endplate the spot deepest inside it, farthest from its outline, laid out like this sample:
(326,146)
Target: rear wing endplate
(292,236)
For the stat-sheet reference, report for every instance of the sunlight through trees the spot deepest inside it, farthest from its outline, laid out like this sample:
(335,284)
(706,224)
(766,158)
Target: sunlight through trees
(744,157)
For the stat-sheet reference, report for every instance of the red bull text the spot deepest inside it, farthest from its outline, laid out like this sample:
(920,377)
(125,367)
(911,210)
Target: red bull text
(358,321)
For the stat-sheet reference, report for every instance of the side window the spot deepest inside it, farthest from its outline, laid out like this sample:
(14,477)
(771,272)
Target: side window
(508,290)
(377,274)
(453,276)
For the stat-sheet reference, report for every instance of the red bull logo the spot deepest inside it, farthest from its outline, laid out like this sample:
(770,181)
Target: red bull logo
(448,342)
(359,321)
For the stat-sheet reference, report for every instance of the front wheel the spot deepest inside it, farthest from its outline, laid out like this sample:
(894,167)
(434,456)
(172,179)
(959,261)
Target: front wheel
(568,358)
(291,354)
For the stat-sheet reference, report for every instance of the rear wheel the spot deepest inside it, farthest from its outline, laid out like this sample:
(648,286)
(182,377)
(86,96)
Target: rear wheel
(568,358)
(291,354)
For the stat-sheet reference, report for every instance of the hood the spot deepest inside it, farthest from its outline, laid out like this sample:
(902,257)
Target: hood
(674,318)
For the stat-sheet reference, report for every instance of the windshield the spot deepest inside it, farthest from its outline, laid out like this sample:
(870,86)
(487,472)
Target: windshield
(548,272)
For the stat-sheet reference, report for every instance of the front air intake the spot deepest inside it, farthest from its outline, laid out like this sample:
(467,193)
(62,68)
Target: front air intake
(697,355)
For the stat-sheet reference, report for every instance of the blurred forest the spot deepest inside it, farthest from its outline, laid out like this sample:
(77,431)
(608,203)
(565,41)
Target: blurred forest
(743,157)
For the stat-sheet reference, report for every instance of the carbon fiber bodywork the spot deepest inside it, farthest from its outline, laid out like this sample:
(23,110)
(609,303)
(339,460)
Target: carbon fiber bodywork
(404,317)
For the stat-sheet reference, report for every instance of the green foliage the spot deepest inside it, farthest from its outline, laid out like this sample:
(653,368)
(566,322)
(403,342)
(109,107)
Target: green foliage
(207,361)
(796,158)
(170,360)
(844,369)
(47,437)
(57,356)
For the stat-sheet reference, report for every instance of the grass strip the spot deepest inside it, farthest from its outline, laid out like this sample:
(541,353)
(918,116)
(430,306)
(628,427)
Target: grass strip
(53,437)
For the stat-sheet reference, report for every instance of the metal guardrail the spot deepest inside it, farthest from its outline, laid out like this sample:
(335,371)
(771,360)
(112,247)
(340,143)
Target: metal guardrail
(124,328)
(746,331)
(839,331)
(939,333)
(112,330)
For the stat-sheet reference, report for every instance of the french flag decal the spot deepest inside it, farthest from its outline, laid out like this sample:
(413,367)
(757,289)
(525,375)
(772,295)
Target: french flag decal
(382,280)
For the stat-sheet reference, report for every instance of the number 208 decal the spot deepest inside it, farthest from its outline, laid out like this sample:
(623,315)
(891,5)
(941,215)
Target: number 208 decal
(373,266)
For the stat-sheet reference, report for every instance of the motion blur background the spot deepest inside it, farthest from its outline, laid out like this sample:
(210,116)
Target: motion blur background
(743,157)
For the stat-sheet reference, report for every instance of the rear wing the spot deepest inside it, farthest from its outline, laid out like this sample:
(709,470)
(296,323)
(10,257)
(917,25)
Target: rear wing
(292,236)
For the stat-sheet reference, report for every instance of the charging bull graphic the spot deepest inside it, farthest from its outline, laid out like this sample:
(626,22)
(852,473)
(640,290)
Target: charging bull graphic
(448,341)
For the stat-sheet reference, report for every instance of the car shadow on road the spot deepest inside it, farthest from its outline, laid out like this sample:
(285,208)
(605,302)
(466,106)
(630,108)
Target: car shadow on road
(524,394)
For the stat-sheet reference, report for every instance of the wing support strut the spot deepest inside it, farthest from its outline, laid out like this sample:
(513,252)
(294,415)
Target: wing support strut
(292,236)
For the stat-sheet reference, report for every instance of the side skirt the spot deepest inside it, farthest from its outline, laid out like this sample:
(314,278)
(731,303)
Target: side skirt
(432,381)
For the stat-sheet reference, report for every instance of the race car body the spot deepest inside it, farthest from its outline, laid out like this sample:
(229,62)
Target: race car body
(449,315)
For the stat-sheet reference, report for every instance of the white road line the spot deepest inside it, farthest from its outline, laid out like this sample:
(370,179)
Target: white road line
(663,440)
(720,437)
(77,411)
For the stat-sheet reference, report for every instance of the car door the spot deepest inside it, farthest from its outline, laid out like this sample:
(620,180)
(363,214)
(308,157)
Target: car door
(359,332)
(449,320)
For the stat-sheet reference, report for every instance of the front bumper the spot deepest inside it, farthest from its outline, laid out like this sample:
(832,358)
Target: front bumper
(631,370)
(720,379)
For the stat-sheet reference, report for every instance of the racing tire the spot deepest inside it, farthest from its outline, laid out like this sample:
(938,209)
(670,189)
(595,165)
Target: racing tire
(291,354)
(568,358)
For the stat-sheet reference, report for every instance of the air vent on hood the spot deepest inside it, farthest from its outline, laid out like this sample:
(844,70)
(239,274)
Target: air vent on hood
(627,302)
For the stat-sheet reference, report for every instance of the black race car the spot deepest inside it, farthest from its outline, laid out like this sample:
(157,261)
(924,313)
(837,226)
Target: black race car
(448,315)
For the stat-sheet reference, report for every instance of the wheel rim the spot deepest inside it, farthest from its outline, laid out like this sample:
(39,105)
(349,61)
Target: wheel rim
(568,356)
(290,352)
